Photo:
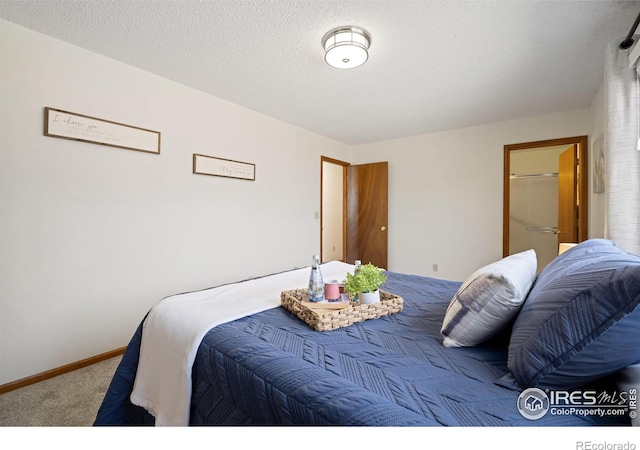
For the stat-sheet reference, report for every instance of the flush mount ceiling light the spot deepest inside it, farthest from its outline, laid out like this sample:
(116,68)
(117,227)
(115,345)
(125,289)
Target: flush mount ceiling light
(346,47)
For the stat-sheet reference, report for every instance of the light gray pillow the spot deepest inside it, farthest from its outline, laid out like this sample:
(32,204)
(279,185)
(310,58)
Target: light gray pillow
(489,300)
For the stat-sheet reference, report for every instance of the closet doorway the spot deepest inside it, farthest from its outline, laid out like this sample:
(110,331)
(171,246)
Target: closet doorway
(333,209)
(545,196)
(353,211)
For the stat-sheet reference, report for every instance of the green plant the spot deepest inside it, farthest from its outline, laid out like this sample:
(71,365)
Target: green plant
(368,278)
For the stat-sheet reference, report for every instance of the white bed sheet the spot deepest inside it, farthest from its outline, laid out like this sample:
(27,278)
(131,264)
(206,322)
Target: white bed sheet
(175,326)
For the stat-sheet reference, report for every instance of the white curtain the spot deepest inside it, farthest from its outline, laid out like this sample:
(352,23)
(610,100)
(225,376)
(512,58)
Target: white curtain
(622,158)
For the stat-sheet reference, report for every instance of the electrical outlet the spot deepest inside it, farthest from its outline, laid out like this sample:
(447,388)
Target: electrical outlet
(435,267)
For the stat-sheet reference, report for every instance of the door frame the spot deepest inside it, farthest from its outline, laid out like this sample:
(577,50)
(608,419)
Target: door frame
(344,165)
(583,183)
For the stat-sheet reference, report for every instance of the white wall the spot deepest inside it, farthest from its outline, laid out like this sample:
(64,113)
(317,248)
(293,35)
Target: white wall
(92,236)
(445,191)
(332,211)
(596,201)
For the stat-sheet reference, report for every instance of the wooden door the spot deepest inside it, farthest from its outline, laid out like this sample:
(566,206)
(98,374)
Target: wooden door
(367,213)
(568,196)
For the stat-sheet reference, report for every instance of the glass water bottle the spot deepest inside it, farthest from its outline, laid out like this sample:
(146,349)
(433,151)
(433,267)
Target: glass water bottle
(316,283)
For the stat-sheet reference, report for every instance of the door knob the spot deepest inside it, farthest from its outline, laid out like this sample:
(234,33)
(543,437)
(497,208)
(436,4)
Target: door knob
(383,228)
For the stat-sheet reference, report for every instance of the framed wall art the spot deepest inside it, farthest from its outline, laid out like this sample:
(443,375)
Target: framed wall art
(220,167)
(598,166)
(79,127)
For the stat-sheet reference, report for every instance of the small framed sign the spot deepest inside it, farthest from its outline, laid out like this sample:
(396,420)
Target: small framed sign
(78,127)
(220,167)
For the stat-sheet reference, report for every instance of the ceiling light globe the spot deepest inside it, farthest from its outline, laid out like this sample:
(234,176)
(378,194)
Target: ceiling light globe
(346,56)
(346,47)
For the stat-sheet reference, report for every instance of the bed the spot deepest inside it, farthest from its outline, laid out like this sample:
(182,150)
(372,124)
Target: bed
(268,367)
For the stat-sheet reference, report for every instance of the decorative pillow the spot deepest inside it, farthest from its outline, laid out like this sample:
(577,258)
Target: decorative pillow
(488,300)
(581,320)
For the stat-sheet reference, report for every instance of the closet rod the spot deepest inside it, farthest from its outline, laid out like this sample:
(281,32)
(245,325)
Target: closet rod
(533,175)
(628,42)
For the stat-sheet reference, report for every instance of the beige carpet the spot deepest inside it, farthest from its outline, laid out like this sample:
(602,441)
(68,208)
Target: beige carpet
(68,400)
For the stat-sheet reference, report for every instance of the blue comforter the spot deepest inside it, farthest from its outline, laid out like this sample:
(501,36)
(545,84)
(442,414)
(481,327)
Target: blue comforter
(271,368)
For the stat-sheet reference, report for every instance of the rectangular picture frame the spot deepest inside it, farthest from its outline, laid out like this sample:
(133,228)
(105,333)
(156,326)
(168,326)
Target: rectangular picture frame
(598,166)
(80,127)
(222,167)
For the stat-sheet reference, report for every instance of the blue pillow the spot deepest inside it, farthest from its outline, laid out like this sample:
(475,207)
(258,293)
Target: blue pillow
(581,319)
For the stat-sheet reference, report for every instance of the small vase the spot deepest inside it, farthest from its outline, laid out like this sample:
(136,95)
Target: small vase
(369,297)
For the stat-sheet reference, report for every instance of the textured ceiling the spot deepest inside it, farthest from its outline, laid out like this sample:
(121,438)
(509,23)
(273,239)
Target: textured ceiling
(433,65)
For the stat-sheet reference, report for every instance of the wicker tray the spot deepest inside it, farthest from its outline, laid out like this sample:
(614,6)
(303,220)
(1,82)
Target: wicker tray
(328,316)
